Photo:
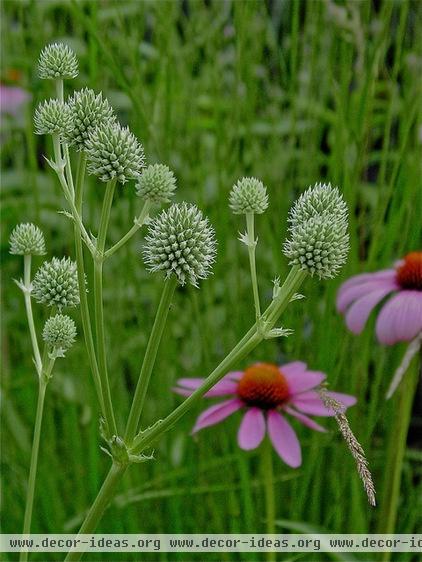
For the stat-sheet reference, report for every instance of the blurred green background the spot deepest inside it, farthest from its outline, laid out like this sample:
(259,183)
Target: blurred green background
(291,92)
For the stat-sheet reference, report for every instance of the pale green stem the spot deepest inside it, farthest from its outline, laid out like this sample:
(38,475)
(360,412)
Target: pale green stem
(85,314)
(98,302)
(29,315)
(139,222)
(396,451)
(43,381)
(100,504)
(249,341)
(268,478)
(144,440)
(149,359)
(250,217)
(68,169)
(68,195)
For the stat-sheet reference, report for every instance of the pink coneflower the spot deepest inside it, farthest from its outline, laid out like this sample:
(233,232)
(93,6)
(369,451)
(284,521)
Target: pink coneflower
(400,319)
(11,99)
(267,392)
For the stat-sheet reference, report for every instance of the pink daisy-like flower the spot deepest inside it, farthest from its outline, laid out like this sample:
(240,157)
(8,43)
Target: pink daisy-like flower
(400,318)
(267,392)
(11,99)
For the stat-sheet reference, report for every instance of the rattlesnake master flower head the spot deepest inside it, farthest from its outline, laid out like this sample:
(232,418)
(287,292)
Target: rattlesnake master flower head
(322,198)
(56,283)
(59,332)
(156,183)
(114,153)
(57,61)
(27,239)
(319,241)
(88,110)
(248,195)
(53,117)
(181,242)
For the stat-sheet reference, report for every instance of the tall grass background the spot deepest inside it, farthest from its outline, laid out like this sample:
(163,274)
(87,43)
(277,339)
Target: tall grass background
(290,92)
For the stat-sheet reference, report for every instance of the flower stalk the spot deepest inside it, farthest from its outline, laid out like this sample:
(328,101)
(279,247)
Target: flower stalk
(250,220)
(268,478)
(29,314)
(149,359)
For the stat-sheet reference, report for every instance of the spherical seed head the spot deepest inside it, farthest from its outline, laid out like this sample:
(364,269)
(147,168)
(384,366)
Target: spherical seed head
(27,239)
(157,183)
(53,117)
(318,199)
(88,110)
(57,61)
(114,153)
(248,195)
(56,283)
(59,332)
(181,242)
(319,241)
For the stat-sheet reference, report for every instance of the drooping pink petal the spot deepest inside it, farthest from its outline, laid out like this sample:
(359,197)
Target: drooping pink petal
(305,419)
(358,312)
(293,368)
(284,439)
(400,318)
(364,277)
(252,429)
(224,387)
(311,403)
(345,297)
(235,375)
(303,381)
(217,413)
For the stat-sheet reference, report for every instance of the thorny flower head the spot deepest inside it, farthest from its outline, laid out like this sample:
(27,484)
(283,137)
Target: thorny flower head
(53,117)
(88,110)
(27,239)
(156,183)
(56,283)
(248,195)
(59,332)
(319,241)
(114,153)
(181,242)
(57,61)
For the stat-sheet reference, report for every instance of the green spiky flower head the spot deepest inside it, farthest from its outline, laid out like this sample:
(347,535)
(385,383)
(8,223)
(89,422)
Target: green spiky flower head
(27,239)
(88,110)
(56,283)
(156,183)
(248,195)
(181,242)
(319,241)
(57,61)
(59,332)
(53,117)
(114,153)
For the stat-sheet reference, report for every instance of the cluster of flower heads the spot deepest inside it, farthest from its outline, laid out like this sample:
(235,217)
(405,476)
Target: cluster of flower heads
(319,239)
(55,284)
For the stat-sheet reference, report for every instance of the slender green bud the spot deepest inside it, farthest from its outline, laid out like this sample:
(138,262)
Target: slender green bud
(114,153)
(156,183)
(27,239)
(53,117)
(56,283)
(181,242)
(248,195)
(57,61)
(88,111)
(59,332)
(319,241)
